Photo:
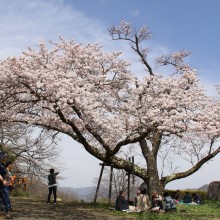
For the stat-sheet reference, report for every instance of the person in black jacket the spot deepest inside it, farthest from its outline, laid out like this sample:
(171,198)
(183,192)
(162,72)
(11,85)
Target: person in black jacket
(52,186)
(121,202)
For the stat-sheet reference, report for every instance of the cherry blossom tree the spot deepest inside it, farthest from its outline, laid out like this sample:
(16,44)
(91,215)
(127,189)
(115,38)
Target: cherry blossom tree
(96,99)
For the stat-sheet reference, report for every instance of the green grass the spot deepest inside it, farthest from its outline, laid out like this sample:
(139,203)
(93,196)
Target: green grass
(208,211)
(16,193)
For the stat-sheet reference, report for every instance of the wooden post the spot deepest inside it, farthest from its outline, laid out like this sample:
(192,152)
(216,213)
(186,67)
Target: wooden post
(128,196)
(25,183)
(133,179)
(100,177)
(110,186)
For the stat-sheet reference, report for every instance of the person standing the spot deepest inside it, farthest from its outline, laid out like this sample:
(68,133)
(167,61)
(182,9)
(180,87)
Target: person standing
(4,195)
(10,179)
(52,186)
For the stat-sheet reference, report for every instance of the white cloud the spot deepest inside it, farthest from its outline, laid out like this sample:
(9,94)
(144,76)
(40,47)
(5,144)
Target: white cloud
(24,23)
(135,13)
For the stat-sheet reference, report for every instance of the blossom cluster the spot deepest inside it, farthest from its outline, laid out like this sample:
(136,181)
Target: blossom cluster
(79,88)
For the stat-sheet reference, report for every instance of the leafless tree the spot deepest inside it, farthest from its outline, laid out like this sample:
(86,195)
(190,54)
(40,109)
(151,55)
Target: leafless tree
(119,178)
(33,151)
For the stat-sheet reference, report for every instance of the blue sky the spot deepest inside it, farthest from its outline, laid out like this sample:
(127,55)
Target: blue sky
(189,24)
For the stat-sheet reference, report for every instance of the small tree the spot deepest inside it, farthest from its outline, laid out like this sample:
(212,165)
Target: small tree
(94,98)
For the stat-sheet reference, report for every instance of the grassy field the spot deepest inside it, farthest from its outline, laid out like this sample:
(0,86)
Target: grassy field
(207,211)
(30,208)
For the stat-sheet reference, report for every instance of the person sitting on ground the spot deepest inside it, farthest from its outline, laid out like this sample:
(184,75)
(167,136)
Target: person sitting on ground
(196,198)
(135,198)
(169,203)
(187,198)
(143,202)
(121,202)
(157,203)
(177,196)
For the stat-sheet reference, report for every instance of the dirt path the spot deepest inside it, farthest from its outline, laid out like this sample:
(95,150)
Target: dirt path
(30,209)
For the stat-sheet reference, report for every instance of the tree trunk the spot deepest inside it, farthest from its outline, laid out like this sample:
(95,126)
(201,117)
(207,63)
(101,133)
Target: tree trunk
(152,180)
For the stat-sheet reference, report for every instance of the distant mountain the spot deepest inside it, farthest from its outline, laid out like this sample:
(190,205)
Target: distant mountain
(84,193)
(88,193)
(204,187)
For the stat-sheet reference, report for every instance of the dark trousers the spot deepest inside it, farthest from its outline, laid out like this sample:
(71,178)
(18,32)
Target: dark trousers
(53,190)
(3,201)
(6,196)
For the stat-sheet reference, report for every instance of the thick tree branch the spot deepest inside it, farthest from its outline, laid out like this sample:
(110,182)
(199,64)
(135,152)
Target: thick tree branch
(167,179)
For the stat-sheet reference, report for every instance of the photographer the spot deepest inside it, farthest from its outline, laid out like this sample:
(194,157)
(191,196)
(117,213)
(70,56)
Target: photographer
(52,186)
